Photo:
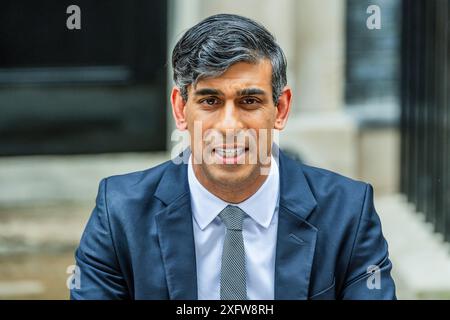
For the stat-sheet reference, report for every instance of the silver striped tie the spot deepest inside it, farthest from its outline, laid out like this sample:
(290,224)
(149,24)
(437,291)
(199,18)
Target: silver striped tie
(232,274)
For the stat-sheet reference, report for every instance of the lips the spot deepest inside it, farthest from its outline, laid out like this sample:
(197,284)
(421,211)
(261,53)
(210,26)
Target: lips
(230,154)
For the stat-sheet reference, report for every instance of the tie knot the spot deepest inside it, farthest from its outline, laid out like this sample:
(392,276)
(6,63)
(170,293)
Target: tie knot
(232,217)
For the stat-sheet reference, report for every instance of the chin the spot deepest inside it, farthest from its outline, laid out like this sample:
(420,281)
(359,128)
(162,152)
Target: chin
(232,175)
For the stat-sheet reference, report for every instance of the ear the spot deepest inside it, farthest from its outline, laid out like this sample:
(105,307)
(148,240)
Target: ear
(178,106)
(283,108)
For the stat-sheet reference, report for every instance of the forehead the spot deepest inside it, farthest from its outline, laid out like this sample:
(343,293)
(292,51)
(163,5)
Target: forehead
(240,75)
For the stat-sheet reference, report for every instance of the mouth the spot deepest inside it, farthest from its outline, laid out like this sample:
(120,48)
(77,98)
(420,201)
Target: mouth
(230,154)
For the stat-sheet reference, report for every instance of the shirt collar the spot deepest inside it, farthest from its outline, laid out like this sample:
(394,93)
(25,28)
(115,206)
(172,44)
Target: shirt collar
(260,206)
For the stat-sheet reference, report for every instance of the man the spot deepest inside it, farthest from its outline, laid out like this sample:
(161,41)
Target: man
(233,218)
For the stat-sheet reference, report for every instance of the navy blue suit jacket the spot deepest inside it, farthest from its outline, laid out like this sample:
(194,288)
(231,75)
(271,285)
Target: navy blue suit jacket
(139,244)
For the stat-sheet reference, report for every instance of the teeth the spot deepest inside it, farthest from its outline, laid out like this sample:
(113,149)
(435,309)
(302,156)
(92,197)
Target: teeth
(230,153)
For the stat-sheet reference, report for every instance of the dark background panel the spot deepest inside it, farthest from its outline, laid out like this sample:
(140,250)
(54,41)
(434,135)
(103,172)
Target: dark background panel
(98,89)
(372,55)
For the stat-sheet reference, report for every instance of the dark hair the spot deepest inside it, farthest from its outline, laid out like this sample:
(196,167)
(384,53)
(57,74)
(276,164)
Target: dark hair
(210,47)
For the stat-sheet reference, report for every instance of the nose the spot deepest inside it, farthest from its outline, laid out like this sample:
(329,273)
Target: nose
(229,118)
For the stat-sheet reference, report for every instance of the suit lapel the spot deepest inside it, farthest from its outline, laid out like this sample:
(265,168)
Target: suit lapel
(296,238)
(175,233)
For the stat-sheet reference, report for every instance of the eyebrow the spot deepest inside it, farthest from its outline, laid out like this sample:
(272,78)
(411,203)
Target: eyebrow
(243,92)
(208,91)
(251,92)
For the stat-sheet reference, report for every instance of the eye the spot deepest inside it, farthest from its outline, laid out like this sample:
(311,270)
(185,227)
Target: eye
(210,101)
(249,101)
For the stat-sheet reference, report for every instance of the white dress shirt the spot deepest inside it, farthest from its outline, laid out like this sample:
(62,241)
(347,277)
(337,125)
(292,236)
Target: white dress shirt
(259,233)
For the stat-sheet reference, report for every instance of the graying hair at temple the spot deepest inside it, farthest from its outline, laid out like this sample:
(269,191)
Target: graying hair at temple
(209,48)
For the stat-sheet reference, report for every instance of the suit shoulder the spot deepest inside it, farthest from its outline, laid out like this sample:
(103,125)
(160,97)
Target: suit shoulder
(324,182)
(147,179)
(317,175)
(129,197)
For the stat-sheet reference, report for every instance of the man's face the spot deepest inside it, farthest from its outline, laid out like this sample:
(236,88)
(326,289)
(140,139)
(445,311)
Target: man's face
(230,120)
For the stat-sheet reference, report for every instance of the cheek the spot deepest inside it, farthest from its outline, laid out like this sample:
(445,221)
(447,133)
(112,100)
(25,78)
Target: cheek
(200,130)
(261,120)
(195,115)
